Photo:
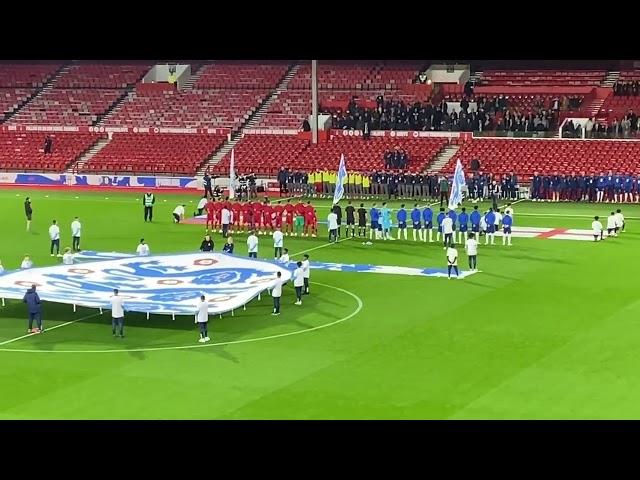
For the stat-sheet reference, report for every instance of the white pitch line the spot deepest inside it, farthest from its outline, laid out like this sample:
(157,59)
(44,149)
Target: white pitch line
(48,329)
(321,246)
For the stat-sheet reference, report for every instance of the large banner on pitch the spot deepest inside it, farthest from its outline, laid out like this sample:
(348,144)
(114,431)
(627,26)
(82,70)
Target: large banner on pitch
(163,284)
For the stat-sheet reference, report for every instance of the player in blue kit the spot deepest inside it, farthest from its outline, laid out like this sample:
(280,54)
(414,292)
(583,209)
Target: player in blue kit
(507,223)
(610,186)
(416,217)
(401,217)
(463,226)
(427,217)
(474,219)
(618,188)
(628,188)
(374,214)
(439,219)
(490,220)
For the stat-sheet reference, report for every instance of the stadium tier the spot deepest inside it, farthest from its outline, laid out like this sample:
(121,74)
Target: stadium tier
(190,109)
(67,107)
(24,151)
(177,154)
(26,76)
(266,154)
(11,98)
(542,77)
(526,156)
(101,76)
(241,76)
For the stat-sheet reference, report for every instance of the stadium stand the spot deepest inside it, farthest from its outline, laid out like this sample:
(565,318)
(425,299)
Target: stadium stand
(101,76)
(24,151)
(176,154)
(241,76)
(542,77)
(26,75)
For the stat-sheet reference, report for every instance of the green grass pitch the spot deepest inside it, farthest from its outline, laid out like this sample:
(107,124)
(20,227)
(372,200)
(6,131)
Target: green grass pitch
(549,329)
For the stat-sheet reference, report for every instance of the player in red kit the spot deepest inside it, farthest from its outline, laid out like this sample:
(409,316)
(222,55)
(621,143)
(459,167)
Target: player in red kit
(288,221)
(257,216)
(210,207)
(236,208)
(247,217)
(278,209)
(266,217)
(310,222)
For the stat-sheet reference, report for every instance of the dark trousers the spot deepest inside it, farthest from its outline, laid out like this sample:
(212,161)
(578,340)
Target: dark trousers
(208,191)
(55,243)
(253,254)
(225,229)
(176,217)
(333,235)
(299,293)
(448,239)
(148,213)
(277,252)
(76,244)
(204,332)
(444,197)
(37,317)
(455,268)
(494,200)
(276,304)
(473,261)
(306,286)
(119,323)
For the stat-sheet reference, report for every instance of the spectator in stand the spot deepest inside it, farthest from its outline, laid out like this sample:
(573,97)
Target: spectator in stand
(588,127)
(306,126)
(48,145)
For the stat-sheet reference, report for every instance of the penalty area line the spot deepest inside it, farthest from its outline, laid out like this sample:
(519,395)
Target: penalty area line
(48,329)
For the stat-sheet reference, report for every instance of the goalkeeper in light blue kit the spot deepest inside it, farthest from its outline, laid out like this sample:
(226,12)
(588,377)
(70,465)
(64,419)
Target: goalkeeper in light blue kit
(385,215)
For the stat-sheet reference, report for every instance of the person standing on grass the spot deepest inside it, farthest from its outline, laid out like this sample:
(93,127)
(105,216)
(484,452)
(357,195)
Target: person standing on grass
(28,211)
(463,225)
(490,221)
(447,230)
(332,223)
(202,319)
(207,244)
(226,217)
(54,235)
(452,260)
(278,239)
(228,246)
(143,249)
(427,217)
(385,214)
(351,219)
(401,217)
(76,227)
(148,200)
(444,190)
(362,221)
(475,219)
(276,293)
(252,245)
(507,223)
(471,246)
(440,218)
(374,215)
(117,313)
(596,226)
(34,307)
(298,282)
(416,219)
(306,271)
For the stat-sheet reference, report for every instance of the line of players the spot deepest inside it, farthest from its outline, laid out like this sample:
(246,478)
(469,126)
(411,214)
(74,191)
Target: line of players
(453,227)
(607,188)
(615,224)
(299,219)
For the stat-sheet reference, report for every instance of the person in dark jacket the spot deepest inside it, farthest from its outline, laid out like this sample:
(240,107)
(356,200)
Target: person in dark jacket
(207,244)
(34,308)
(228,247)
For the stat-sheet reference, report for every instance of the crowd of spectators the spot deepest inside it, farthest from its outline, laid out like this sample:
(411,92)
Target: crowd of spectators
(626,89)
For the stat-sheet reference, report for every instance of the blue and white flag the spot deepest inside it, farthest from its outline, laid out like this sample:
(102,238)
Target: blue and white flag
(340,180)
(232,176)
(459,182)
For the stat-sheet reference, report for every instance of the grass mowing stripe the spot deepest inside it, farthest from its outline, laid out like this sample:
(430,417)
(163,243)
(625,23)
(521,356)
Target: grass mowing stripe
(49,329)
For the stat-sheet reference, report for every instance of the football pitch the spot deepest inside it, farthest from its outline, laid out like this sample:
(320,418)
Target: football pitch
(548,329)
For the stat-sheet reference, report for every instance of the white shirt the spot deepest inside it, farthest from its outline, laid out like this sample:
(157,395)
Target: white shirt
(611,221)
(202,315)
(226,216)
(252,244)
(26,263)
(306,269)
(67,258)
(179,210)
(1,269)
(483,223)
(117,306)
(447,225)
(498,218)
(284,258)
(597,227)
(472,246)
(332,220)
(277,238)
(202,203)
(619,219)
(54,232)
(298,277)
(75,228)
(452,256)
(276,290)
(143,250)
